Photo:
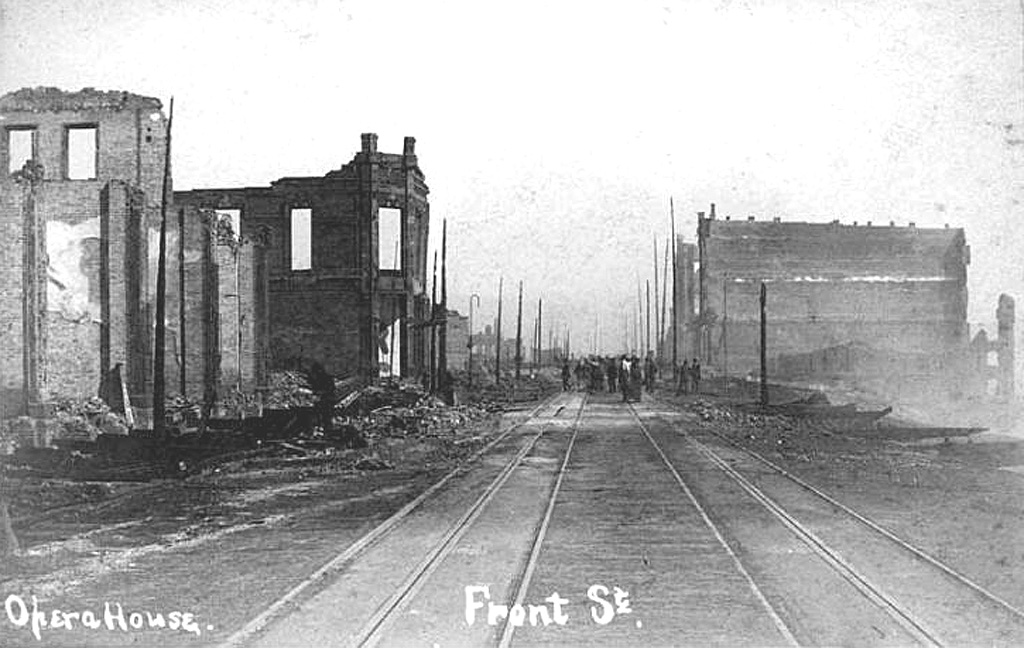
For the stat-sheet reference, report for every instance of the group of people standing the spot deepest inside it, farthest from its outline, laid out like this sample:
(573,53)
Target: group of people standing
(688,377)
(625,373)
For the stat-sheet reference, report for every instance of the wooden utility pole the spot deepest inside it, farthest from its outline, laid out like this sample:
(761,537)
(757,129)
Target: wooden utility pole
(161,291)
(540,330)
(664,303)
(639,340)
(433,330)
(519,332)
(182,348)
(764,343)
(657,319)
(725,330)
(675,316)
(442,336)
(497,337)
(647,319)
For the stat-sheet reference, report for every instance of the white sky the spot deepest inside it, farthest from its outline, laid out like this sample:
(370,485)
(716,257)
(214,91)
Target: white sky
(552,134)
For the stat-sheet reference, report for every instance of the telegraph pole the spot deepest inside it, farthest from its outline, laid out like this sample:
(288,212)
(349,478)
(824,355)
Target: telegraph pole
(433,330)
(664,302)
(497,336)
(675,315)
(764,351)
(647,320)
(442,336)
(540,330)
(519,332)
(161,292)
(657,319)
(725,329)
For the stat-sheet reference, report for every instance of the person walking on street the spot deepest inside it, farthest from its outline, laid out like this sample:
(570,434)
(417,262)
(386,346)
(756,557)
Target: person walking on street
(636,378)
(650,372)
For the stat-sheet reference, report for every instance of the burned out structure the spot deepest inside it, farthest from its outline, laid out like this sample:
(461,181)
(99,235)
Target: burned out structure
(879,306)
(330,269)
(79,199)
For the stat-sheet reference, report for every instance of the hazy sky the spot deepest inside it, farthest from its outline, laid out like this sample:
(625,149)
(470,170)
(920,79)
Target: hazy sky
(552,134)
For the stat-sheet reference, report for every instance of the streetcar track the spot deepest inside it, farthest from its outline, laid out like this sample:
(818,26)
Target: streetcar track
(531,564)
(777,620)
(874,526)
(835,560)
(277,608)
(832,557)
(373,629)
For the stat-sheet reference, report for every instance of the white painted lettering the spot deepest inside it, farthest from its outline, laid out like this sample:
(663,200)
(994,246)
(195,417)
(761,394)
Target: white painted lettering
(604,614)
(471,603)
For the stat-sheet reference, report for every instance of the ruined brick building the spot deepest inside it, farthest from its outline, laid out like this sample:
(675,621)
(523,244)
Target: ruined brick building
(81,189)
(873,304)
(257,278)
(330,268)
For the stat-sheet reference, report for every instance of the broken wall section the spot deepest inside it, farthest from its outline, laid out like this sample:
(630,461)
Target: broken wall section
(313,290)
(892,299)
(94,165)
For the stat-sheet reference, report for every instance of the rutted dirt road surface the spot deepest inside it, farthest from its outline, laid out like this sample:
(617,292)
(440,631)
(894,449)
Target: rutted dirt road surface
(592,522)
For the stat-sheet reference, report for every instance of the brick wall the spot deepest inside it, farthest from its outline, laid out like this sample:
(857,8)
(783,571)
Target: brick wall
(93,289)
(330,313)
(902,289)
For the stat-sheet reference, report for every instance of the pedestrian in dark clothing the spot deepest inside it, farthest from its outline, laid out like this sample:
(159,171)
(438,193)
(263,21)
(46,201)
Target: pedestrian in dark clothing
(695,375)
(636,377)
(322,385)
(684,378)
(566,375)
(650,373)
(612,372)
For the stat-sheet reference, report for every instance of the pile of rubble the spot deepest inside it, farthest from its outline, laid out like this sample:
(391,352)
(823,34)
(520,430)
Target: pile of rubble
(400,409)
(84,420)
(289,389)
(771,429)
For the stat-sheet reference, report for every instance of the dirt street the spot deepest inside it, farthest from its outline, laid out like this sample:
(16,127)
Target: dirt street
(588,500)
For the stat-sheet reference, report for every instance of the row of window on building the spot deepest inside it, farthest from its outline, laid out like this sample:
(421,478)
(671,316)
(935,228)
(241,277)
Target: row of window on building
(80,156)
(389,236)
(80,150)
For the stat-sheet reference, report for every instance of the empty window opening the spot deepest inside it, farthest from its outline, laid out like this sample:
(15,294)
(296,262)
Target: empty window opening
(81,152)
(389,350)
(302,239)
(20,147)
(232,217)
(389,238)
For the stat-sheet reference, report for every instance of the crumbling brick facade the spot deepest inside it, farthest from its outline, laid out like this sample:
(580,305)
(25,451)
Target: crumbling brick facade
(334,310)
(861,301)
(75,223)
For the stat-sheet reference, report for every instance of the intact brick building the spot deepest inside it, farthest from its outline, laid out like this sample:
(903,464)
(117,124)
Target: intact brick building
(860,301)
(79,195)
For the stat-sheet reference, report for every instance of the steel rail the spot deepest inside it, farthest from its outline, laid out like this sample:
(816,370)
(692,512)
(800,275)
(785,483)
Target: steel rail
(538,540)
(780,625)
(372,630)
(830,556)
(275,609)
(874,526)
